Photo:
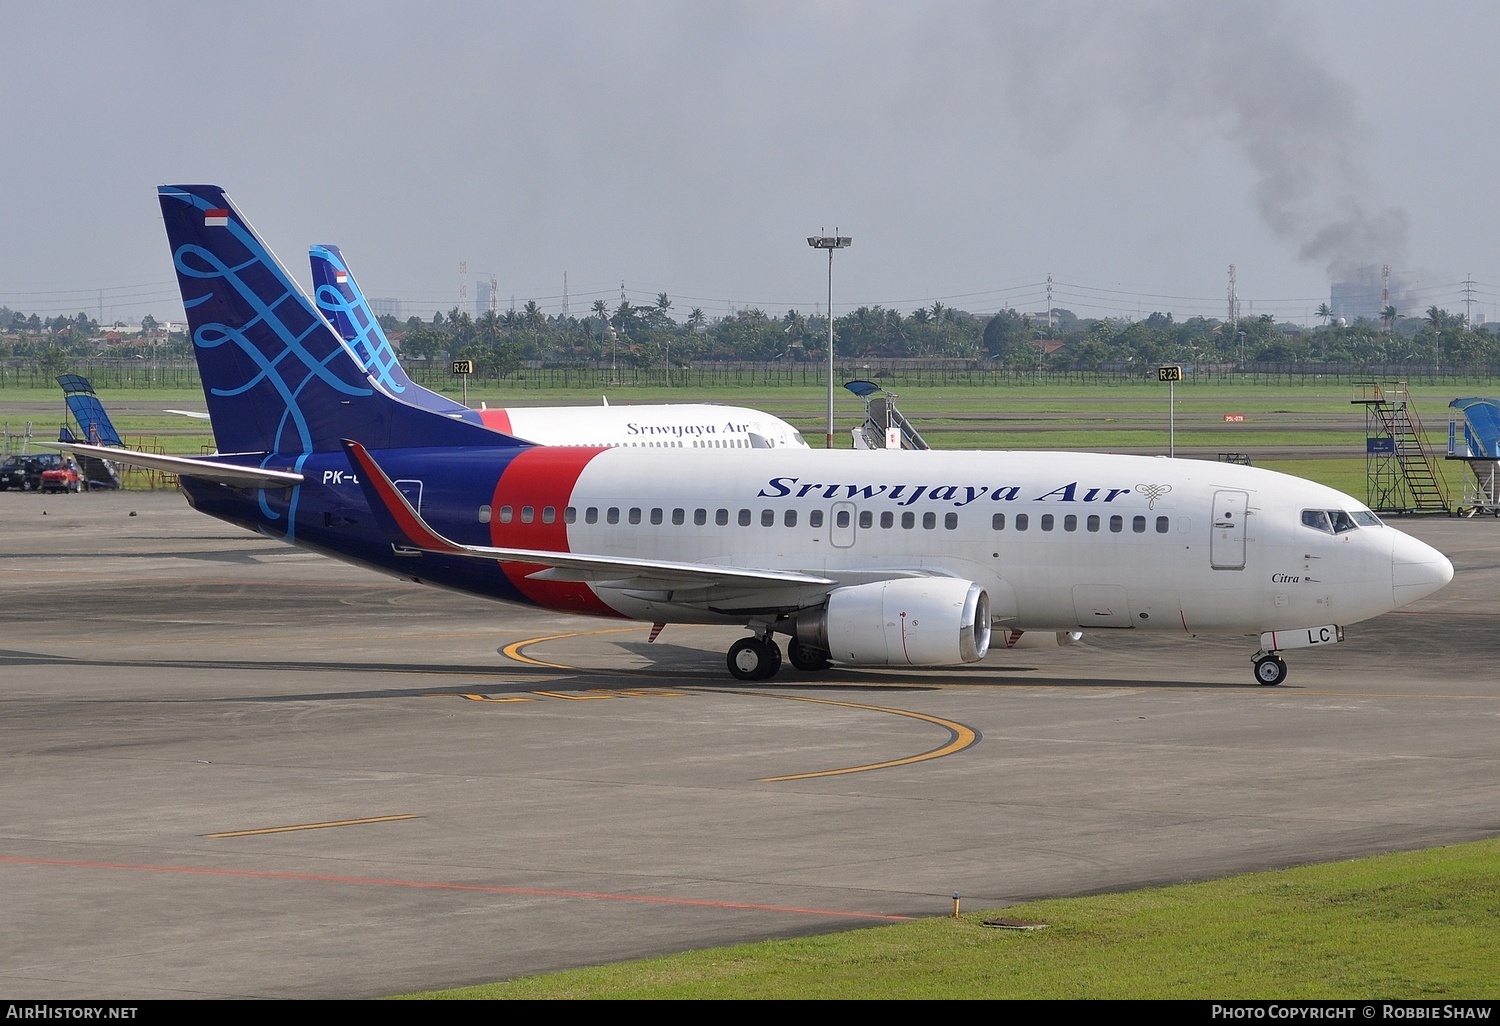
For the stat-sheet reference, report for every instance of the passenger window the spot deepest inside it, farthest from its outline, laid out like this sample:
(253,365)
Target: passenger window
(744,518)
(841,518)
(929,521)
(506,513)
(1093,522)
(1161,525)
(528,514)
(570,515)
(997,522)
(612,515)
(635,514)
(1116,524)
(700,517)
(721,517)
(866,518)
(1138,525)
(655,516)
(908,520)
(591,515)
(678,517)
(1046,521)
(1022,521)
(768,518)
(950,522)
(484,514)
(1070,522)
(549,514)
(815,518)
(790,519)
(887,519)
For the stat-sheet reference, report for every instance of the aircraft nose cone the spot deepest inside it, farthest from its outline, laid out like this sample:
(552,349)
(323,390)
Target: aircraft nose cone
(1417,569)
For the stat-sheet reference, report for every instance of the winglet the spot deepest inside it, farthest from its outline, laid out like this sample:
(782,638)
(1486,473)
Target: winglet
(395,514)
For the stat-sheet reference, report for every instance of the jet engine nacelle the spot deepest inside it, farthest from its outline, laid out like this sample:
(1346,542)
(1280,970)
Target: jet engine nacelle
(921,621)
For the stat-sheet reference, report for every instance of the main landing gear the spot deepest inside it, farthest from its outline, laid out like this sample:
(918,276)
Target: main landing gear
(1270,669)
(759,658)
(754,658)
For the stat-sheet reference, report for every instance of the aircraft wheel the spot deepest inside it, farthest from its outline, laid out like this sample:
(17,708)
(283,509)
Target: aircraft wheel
(754,659)
(1270,670)
(807,658)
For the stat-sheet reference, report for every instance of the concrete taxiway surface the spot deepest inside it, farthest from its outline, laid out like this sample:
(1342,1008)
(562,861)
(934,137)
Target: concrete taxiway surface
(233,769)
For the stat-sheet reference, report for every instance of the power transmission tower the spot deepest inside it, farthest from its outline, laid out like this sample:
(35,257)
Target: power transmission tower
(1234,303)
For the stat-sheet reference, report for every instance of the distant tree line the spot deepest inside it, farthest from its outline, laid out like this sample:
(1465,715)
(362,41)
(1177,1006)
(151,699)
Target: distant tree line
(648,336)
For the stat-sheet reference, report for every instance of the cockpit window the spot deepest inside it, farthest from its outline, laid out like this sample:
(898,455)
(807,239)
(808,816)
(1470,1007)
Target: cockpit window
(1337,521)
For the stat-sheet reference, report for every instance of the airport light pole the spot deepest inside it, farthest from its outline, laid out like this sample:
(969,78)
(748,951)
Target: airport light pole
(830,243)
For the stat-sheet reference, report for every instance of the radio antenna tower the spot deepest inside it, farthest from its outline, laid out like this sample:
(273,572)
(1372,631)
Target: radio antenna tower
(1468,299)
(1049,304)
(463,284)
(494,298)
(565,294)
(1385,286)
(1234,303)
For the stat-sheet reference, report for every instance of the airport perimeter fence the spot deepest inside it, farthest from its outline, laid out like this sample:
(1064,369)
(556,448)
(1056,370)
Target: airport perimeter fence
(896,375)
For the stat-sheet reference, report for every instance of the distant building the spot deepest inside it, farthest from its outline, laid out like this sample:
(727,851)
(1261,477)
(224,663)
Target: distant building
(481,298)
(1364,295)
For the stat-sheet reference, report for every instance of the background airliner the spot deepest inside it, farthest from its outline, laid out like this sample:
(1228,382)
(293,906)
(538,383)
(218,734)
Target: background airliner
(883,558)
(658,426)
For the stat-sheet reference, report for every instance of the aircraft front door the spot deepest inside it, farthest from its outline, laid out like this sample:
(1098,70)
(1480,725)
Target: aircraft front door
(1226,548)
(841,525)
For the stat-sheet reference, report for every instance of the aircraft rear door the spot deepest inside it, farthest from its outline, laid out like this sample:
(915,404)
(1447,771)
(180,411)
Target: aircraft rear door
(412,489)
(1226,548)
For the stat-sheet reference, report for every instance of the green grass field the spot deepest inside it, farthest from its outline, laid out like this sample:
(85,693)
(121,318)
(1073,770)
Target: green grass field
(1417,925)
(1312,430)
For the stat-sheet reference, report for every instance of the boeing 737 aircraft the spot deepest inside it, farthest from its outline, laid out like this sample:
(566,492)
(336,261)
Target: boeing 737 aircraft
(658,426)
(862,559)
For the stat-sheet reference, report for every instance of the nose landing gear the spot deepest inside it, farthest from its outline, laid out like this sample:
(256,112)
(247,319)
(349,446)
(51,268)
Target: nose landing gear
(1270,668)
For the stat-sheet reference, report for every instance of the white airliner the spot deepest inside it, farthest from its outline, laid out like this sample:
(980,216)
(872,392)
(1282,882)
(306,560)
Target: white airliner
(888,558)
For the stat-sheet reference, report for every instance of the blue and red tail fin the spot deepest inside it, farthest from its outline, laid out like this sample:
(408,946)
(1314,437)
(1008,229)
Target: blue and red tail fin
(339,298)
(277,377)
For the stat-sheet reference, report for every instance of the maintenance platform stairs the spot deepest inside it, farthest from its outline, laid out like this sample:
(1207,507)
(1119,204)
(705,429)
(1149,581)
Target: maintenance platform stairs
(1401,476)
(1474,438)
(95,428)
(885,427)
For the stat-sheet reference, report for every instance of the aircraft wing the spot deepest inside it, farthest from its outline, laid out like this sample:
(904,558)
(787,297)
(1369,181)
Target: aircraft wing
(196,415)
(406,527)
(185,466)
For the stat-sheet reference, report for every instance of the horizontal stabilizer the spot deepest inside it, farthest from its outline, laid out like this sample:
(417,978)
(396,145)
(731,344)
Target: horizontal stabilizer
(185,466)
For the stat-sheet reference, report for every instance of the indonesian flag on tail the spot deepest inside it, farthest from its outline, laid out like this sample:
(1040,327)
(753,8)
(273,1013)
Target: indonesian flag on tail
(341,277)
(216,218)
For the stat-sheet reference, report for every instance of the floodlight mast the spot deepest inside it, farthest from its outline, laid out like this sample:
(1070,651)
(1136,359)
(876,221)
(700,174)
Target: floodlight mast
(830,243)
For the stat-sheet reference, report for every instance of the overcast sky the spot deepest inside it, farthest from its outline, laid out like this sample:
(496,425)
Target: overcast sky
(1132,151)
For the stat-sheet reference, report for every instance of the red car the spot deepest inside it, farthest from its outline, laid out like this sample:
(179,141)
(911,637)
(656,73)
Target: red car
(64,476)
